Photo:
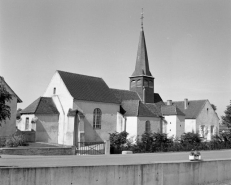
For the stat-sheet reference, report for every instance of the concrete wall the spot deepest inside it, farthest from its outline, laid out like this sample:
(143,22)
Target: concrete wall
(9,126)
(184,173)
(63,101)
(47,128)
(108,119)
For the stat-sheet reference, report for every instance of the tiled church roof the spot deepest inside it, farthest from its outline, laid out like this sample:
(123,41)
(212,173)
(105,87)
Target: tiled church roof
(88,88)
(43,105)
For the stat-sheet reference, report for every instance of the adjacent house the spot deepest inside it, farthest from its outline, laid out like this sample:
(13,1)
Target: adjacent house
(200,117)
(8,127)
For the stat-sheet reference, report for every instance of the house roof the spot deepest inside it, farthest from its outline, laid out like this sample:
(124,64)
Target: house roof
(171,110)
(18,99)
(88,88)
(142,65)
(137,108)
(193,110)
(43,105)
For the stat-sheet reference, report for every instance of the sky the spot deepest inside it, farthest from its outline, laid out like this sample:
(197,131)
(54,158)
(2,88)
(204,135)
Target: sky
(188,44)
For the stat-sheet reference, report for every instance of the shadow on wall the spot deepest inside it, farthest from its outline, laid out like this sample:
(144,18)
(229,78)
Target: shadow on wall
(91,135)
(46,132)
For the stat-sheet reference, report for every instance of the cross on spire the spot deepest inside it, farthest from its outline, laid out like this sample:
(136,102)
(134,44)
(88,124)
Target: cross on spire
(142,19)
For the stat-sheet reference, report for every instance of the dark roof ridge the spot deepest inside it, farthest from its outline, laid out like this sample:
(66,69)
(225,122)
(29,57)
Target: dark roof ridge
(79,74)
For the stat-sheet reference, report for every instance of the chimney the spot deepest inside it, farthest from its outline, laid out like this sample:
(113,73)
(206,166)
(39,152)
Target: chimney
(185,103)
(169,102)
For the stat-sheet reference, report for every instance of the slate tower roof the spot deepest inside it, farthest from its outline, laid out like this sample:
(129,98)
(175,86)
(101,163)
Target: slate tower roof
(142,65)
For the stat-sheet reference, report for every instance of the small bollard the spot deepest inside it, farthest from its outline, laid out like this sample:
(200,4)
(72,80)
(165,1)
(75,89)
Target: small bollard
(127,152)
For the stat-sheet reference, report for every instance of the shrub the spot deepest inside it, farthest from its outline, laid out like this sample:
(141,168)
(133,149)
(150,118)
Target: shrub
(190,138)
(15,141)
(117,141)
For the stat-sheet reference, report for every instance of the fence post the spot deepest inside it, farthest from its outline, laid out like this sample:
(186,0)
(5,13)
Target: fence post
(107,147)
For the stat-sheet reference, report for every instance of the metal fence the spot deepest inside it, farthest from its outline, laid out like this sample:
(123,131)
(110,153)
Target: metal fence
(90,148)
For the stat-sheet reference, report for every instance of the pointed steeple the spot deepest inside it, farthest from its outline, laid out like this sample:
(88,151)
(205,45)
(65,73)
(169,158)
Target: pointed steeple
(142,80)
(142,64)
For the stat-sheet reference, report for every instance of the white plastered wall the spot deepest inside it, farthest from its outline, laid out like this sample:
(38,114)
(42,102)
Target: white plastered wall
(170,124)
(131,127)
(190,125)
(108,119)
(63,101)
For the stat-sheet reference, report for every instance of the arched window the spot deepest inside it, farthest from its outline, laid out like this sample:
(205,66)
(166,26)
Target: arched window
(133,84)
(150,84)
(147,126)
(139,83)
(97,118)
(145,83)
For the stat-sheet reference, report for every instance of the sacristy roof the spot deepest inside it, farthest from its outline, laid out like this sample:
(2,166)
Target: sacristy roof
(43,105)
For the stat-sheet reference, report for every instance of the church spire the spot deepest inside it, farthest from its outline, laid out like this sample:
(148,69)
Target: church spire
(142,80)
(142,64)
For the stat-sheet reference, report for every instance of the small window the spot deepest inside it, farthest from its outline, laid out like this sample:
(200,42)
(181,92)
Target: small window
(97,114)
(147,126)
(139,83)
(27,124)
(145,83)
(150,84)
(133,84)
(54,90)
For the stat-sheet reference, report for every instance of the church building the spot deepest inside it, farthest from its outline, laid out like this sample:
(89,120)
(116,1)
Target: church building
(79,108)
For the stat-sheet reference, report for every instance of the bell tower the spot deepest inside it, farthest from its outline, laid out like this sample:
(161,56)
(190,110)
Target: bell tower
(142,80)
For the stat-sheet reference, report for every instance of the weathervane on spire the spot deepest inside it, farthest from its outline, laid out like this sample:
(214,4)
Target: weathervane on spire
(142,18)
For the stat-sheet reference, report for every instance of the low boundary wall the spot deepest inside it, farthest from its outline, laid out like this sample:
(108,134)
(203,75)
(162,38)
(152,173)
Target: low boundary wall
(175,173)
(38,151)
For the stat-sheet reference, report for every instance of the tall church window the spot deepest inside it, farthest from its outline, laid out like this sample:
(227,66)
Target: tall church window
(133,84)
(97,114)
(145,83)
(27,124)
(150,84)
(147,126)
(139,83)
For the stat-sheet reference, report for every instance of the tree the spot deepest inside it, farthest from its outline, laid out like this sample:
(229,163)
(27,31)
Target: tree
(226,119)
(214,107)
(18,115)
(5,96)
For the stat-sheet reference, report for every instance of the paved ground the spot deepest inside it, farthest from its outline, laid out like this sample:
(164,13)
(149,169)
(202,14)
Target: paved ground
(87,160)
